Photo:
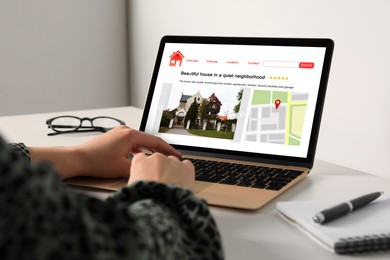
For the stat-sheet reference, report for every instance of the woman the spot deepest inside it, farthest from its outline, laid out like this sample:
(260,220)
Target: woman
(155,217)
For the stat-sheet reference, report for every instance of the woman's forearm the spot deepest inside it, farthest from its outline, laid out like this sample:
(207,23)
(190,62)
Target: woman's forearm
(66,160)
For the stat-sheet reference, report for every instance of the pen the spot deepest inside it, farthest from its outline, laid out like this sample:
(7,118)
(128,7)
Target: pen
(345,208)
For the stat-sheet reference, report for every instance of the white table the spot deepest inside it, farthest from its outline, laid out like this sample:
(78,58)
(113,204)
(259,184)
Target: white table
(260,234)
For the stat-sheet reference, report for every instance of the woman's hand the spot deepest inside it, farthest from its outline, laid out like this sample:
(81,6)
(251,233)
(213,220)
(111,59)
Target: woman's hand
(160,168)
(105,156)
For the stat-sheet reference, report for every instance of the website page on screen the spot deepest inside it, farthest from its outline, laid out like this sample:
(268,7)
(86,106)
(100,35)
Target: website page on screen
(258,99)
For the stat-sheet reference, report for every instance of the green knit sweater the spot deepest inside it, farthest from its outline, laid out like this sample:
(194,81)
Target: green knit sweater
(41,218)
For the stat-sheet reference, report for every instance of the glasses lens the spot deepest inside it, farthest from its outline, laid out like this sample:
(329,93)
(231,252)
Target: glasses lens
(105,122)
(65,123)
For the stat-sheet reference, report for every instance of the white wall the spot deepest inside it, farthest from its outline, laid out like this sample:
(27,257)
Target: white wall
(356,121)
(62,55)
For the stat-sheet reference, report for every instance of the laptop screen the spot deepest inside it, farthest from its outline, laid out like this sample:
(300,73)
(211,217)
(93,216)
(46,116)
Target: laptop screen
(248,96)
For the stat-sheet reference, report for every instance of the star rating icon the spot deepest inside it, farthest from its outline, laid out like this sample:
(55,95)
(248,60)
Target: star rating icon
(278,77)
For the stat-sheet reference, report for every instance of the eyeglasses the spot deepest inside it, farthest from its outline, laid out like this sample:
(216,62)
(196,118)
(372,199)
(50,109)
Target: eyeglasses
(74,124)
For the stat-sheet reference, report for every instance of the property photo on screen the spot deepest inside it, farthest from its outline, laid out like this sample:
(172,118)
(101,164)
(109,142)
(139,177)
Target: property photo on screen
(205,113)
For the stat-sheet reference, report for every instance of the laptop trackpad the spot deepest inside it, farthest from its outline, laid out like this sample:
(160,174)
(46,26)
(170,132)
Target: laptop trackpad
(201,185)
(233,196)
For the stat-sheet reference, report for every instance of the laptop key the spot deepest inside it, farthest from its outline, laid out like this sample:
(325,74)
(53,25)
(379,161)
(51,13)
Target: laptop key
(274,186)
(229,180)
(259,186)
(244,183)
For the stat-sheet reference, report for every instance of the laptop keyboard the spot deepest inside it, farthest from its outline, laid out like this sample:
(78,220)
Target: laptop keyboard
(259,177)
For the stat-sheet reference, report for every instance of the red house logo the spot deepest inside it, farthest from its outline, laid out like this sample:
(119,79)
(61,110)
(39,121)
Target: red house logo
(176,59)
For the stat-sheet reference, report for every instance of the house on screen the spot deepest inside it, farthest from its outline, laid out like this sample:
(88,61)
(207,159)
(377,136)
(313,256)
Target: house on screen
(212,107)
(176,58)
(184,104)
(187,100)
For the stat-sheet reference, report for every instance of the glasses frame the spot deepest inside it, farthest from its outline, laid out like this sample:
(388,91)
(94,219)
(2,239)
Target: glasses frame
(80,128)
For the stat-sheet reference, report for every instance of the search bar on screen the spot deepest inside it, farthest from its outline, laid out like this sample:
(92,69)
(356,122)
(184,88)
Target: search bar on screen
(288,64)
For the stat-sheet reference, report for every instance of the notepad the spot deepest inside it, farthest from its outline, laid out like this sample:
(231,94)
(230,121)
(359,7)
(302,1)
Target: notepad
(366,229)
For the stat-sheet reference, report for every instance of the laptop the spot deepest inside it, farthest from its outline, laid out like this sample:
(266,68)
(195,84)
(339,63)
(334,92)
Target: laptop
(245,111)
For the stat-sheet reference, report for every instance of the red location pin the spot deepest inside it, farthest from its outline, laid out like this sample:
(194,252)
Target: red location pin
(277,103)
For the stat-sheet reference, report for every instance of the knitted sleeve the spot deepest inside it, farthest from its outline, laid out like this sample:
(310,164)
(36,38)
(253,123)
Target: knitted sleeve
(41,218)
